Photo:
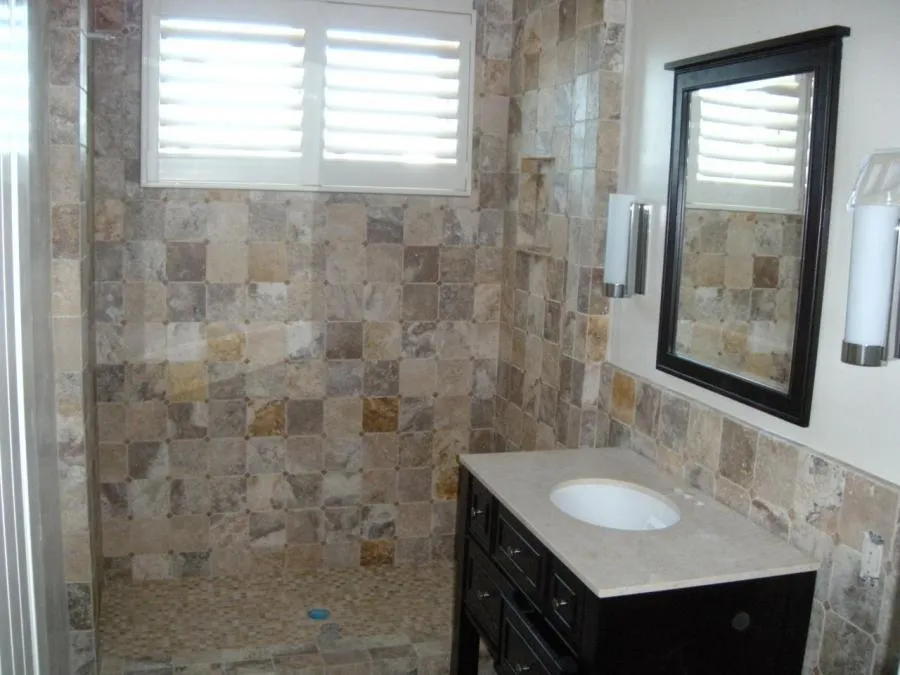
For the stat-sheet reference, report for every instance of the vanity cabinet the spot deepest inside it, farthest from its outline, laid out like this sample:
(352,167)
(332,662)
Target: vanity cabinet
(535,616)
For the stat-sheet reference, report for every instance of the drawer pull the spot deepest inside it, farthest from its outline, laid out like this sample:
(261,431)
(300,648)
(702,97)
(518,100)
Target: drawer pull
(512,551)
(558,604)
(519,668)
(476,513)
(483,595)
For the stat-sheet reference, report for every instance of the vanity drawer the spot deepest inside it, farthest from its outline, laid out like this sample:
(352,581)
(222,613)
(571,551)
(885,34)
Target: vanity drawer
(480,512)
(565,602)
(485,592)
(519,555)
(524,650)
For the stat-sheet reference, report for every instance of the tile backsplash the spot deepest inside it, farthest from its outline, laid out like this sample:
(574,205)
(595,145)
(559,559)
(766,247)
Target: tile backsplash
(825,509)
(288,378)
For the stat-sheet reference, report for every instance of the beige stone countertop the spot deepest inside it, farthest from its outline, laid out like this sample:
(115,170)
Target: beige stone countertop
(709,545)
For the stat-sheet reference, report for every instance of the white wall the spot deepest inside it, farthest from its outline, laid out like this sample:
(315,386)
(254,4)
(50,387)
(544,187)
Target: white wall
(856,411)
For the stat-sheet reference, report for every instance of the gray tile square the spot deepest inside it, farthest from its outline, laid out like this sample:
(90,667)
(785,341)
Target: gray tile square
(343,340)
(457,302)
(420,302)
(345,378)
(420,264)
(186,262)
(305,417)
(186,301)
(384,225)
(381,378)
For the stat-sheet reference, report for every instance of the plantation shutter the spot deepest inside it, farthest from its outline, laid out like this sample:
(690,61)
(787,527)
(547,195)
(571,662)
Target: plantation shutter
(308,95)
(396,99)
(749,144)
(230,95)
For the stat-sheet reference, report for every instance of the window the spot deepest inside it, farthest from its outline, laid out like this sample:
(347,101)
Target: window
(749,144)
(317,95)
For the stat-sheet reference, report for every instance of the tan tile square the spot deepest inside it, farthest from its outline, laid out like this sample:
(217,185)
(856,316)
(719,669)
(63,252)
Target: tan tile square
(867,507)
(418,377)
(227,263)
(454,377)
(187,381)
(376,553)
(381,414)
(266,343)
(343,416)
(346,222)
(226,342)
(381,341)
(623,398)
(267,261)
(265,418)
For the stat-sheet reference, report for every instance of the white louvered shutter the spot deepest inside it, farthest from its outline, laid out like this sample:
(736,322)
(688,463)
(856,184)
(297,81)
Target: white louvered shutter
(308,95)
(230,95)
(748,145)
(396,100)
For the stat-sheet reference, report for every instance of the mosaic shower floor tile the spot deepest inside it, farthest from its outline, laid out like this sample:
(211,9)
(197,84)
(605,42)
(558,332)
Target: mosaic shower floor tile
(383,620)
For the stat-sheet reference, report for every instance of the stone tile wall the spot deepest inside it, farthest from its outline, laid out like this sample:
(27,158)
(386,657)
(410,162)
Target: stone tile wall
(567,70)
(67,640)
(70,198)
(739,291)
(288,378)
(825,509)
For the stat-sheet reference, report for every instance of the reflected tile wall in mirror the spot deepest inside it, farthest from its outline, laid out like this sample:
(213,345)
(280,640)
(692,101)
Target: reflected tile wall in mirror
(743,226)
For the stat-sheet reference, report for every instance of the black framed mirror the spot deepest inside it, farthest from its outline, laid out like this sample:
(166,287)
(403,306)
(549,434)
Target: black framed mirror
(749,197)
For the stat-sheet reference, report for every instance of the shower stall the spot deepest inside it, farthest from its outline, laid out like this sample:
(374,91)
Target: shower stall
(261,396)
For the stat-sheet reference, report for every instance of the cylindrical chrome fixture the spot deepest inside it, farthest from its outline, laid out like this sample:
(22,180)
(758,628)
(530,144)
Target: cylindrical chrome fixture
(627,233)
(870,330)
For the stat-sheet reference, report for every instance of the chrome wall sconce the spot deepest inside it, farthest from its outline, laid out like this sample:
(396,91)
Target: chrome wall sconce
(870,330)
(627,233)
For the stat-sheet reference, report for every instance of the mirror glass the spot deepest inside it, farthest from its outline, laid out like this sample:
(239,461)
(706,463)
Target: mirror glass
(744,212)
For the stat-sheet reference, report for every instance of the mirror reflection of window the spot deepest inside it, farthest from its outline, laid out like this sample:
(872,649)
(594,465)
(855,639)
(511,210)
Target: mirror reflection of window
(746,179)
(749,145)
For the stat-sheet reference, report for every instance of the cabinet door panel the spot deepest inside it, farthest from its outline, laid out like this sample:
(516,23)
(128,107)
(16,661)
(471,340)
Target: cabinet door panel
(743,628)
(519,555)
(480,513)
(485,591)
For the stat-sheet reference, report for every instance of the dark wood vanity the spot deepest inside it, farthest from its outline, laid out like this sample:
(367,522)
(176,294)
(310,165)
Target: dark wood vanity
(535,616)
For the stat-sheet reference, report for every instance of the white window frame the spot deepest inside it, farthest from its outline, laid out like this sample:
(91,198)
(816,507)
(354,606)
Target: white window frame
(757,198)
(446,19)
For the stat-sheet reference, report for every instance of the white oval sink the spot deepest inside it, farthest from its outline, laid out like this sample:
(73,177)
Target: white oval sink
(616,505)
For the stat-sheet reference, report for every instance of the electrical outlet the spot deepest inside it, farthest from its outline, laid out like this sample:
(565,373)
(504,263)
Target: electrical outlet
(872,553)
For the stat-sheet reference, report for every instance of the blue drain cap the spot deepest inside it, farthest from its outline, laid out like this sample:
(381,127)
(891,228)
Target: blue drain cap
(319,614)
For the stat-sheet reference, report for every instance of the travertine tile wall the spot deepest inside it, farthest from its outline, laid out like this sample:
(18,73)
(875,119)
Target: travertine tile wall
(822,507)
(738,298)
(70,195)
(563,159)
(287,378)
(64,597)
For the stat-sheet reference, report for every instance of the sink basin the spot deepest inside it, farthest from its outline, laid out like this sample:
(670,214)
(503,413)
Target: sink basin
(614,504)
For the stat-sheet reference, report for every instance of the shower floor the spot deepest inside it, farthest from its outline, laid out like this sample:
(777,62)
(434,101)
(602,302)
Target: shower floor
(384,620)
